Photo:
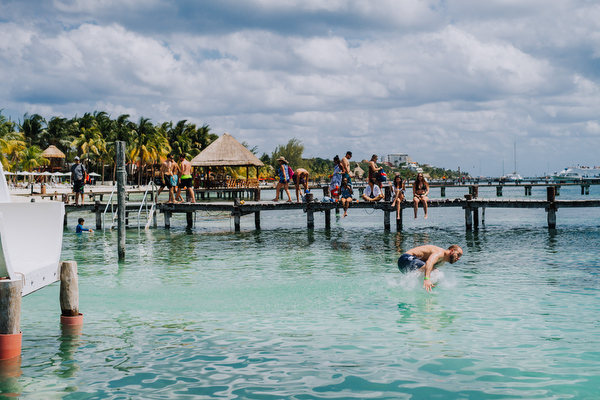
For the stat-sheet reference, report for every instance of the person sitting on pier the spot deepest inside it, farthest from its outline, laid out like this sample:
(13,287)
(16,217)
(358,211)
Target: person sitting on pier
(80,228)
(372,191)
(398,187)
(300,177)
(346,195)
(186,180)
(427,258)
(166,176)
(284,179)
(420,192)
(374,170)
(345,166)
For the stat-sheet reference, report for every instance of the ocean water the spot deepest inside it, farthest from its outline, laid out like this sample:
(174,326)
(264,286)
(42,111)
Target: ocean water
(287,313)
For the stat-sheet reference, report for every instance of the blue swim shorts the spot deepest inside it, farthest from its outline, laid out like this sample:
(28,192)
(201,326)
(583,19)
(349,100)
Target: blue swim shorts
(408,262)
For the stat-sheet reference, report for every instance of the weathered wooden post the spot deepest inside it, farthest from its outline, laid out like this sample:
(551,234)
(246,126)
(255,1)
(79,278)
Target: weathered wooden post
(327,218)
(257,220)
(443,191)
(388,193)
(237,215)
(528,190)
(167,215)
(121,177)
(310,214)
(468,213)
(386,219)
(551,208)
(189,216)
(499,191)
(10,318)
(98,212)
(475,191)
(69,294)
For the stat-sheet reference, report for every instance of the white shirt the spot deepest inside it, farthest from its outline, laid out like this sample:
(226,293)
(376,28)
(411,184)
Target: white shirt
(376,191)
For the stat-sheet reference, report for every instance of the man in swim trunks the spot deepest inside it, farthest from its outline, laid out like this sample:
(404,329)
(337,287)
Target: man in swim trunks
(186,180)
(166,175)
(300,178)
(426,259)
(345,167)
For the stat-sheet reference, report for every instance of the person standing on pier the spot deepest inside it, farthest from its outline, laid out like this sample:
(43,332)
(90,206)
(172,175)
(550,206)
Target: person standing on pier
(186,180)
(300,177)
(336,178)
(427,258)
(374,170)
(78,176)
(166,175)
(420,192)
(345,167)
(372,191)
(284,179)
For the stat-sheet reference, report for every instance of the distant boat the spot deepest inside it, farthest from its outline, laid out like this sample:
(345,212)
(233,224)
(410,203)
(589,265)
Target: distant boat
(576,174)
(514,177)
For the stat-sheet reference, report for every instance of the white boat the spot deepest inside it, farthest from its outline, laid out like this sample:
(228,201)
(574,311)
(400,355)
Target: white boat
(514,177)
(576,174)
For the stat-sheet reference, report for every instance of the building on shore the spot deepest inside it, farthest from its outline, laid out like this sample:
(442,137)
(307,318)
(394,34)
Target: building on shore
(397,159)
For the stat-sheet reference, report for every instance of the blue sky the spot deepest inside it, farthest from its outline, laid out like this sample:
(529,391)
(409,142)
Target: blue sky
(450,82)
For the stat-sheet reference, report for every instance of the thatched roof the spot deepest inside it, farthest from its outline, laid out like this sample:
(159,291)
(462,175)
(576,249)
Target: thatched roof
(53,152)
(226,152)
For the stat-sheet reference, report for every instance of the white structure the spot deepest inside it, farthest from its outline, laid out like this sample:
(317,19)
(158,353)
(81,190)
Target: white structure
(414,167)
(397,159)
(30,240)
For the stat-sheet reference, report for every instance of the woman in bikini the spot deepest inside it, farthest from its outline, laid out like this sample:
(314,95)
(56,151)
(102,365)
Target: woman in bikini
(345,195)
(398,187)
(420,192)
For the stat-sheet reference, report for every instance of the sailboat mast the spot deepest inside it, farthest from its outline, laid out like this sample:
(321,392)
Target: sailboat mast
(515,143)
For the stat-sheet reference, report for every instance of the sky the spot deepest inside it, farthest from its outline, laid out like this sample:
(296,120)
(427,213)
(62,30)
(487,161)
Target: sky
(452,83)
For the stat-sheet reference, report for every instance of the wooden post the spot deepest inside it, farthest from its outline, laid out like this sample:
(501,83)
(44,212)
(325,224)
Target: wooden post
(475,217)
(237,214)
(167,215)
(483,216)
(190,219)
(443,191)
(121,177)
(499,191)
(468,218)
(257,220)
(475,191)
(551,209)
(310,217)
(386,219)
(388,193)
(69,293)
(257,194)
(98,216)
(527,190)
(327,219)
(10,318)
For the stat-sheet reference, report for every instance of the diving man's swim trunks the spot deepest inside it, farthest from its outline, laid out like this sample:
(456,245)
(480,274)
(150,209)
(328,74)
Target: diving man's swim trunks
(408,262)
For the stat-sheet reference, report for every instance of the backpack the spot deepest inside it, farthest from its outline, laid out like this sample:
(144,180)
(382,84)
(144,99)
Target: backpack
(381,176)
(290,172)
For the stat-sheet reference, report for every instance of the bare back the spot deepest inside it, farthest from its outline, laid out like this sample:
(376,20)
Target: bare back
(424,252)
(345,165)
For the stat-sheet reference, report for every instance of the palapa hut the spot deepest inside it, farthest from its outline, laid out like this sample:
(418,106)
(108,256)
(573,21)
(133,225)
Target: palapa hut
(55,156)
(228,152)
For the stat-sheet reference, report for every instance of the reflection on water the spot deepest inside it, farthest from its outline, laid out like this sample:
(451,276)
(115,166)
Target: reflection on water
(10,371)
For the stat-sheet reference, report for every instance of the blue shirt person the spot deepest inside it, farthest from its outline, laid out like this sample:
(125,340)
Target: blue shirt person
(80,227)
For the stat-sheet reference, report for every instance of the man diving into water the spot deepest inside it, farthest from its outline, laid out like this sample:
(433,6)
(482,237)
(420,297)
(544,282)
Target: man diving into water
(426,259)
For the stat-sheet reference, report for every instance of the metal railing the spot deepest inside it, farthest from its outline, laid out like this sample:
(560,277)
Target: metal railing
(112,209)
(149,213)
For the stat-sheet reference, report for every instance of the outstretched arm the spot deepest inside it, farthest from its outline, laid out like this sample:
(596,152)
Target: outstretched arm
(429,266)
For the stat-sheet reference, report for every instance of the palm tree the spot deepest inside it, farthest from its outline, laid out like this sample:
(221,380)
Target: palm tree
(31,158)
(149,144)
(32,128)
(90,140)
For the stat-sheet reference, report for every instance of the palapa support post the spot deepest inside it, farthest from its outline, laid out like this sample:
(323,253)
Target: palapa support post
(69,294)
(257,220)
(551,209)
(10,318)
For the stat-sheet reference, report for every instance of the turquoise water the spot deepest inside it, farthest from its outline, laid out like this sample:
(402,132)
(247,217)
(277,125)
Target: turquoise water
(287,313)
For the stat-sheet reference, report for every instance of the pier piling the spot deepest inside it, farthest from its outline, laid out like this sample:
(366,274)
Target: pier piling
(69,294)
(10,318)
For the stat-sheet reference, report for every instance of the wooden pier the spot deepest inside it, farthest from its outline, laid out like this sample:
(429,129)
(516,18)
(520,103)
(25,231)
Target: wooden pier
(474,209)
